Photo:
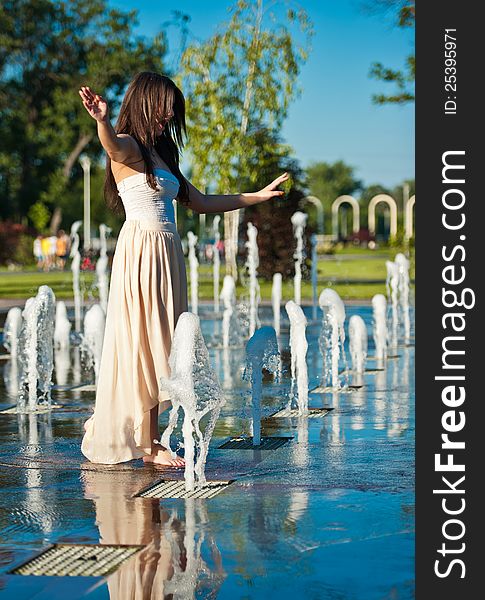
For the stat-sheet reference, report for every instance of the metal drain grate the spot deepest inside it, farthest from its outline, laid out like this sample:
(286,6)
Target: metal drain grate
(88,387)
(40,410)
(176,489)
(330,390)
(313,413)
(246,443)
(77,560)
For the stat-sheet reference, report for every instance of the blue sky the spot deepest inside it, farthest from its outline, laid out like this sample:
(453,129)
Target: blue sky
(334,117)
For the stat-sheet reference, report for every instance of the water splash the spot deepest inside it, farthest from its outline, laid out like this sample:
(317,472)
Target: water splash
(36,351)
(194,387)
(62,327)
(332,336)
(102,267)
(276,301)
(194,273)
(216,260)
(11,330)
(93,336)
(314,242)
(392,286)
(196,562)
(358,343)
(298,347)
(379,306)
(261,353)
(298,220)
(231,334)
(252,263)
(403,267)
(75,268)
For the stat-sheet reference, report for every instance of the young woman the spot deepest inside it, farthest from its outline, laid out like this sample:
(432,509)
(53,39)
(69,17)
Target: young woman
(148,289)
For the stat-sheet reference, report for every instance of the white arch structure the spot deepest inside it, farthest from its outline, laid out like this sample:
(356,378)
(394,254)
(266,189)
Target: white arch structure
(355,213)
(319,206)
(409,217)
(391,203)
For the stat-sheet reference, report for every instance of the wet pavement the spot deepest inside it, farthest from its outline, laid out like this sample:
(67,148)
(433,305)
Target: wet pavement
(329,515)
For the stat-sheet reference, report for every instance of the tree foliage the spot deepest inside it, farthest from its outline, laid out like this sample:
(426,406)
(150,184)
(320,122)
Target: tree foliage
(328,181)
(276,242)
(403,79)
(47,50)
(239,83)
(236,83)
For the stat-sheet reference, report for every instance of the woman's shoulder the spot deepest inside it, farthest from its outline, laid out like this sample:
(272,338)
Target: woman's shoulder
(133,161)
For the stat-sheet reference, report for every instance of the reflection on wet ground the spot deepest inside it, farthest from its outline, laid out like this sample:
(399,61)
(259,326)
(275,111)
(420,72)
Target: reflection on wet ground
(328,515)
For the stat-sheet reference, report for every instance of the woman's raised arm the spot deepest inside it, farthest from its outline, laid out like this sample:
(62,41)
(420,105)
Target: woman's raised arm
(119,147)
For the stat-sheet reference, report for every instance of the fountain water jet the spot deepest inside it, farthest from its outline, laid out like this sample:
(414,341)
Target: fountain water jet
(37,351)
(75,267)
(231,334)
(62,327)
(379,306)
(252,264)
(93,336)
(299,347)
(358,345)
(276,301)
(261,353)
(314,276)
(332,336)
(216,260)
(403,266)
(392,286)
(102,267)
(298,220)
(194,387)
(11,330)
(194,273)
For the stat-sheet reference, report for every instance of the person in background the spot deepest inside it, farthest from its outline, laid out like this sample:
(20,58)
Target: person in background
(37,249)
(62,249)
(46,253)
(53,250)
(220,247)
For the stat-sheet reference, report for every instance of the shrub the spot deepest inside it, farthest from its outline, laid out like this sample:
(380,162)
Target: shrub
(16,242)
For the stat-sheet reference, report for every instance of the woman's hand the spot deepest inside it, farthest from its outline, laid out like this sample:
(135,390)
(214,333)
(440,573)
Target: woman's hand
(95,104)
(269,191)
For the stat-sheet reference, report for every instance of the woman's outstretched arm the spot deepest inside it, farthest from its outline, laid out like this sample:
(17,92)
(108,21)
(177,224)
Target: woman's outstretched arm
(217,203)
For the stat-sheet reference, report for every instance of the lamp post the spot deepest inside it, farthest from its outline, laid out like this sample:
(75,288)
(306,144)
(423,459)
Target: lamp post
(86,165)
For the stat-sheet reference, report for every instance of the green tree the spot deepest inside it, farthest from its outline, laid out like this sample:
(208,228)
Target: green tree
(402,78)
(47,50)
(39,215)
(328,181)
(373,190)
(276,242)
(238,81)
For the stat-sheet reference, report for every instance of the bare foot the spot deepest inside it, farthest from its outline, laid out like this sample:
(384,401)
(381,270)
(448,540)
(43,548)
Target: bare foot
(87,421)
(164,457)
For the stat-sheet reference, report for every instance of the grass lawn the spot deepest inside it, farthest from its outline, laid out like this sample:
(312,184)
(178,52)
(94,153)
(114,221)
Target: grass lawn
(24,285)
(337,271)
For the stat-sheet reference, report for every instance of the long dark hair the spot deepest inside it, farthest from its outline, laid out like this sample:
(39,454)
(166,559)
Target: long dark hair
(149,97)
